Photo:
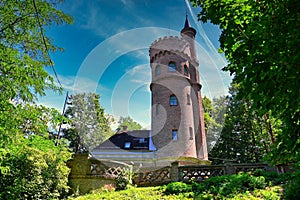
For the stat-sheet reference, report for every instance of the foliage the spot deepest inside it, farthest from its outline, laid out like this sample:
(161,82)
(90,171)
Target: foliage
(152,193)
(177,188)
(129,123)
(22,58)
(37,169)
(124,179)
(143,193)
(214,115)
(292,186)
(261,43)
(273,177)
(121,182)
(22,50)
(31,165)
(88,124)
(245,136)
(229,185)
(270,193)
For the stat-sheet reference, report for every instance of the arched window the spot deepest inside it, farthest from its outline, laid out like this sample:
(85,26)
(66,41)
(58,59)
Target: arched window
(173,100)
(172,66)
(186,70)
(157,70)
(174,134)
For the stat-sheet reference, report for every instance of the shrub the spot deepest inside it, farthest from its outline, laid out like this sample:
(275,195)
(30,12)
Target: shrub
(273,177)
(122,181)
(229,185)
(37,170)
(177,188)
(272,193)
(292,186)
(205,196)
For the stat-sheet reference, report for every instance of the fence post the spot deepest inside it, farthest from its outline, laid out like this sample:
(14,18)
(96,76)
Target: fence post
(229,169)
(174,171)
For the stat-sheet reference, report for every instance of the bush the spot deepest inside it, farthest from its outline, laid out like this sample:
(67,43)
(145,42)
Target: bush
(177,188)
(272,193)
(229,185)
(237,186)
(292,186)
(37,170)
(273,177)
(122,181)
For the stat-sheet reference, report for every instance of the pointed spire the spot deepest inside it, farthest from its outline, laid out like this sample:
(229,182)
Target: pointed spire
(188,29)
(187,23)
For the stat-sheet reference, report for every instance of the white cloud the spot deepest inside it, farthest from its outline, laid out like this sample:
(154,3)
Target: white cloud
(140,70)
(84,84)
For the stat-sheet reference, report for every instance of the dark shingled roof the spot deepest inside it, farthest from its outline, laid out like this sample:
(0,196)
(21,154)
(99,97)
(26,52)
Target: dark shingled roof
(130,140)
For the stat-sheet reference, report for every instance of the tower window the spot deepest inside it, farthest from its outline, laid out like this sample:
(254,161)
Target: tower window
(157,70)
(191,133)
(188,99)
(172,67)
(174,134)
(173,100)
(186,70)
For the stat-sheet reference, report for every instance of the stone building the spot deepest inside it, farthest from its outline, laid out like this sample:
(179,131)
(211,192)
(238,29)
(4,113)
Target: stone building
(177,121)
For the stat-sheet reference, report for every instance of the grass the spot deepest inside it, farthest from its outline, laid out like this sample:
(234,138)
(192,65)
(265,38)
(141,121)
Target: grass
(269,193)
(151,193)
(155,193)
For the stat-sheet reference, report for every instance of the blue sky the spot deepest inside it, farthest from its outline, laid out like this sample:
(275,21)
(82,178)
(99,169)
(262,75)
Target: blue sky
(106,51)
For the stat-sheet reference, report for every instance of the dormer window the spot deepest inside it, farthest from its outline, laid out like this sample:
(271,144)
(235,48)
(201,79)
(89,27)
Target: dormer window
(127,145)
(173,100)
(142,140)
(172,66)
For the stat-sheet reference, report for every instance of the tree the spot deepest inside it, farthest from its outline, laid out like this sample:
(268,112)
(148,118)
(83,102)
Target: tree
(244,137)
(214,115)
(89,126)
(260,40)
(31,165)
(129,123)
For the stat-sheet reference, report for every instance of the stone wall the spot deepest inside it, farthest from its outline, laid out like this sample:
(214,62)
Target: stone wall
(88,174)
(85,184)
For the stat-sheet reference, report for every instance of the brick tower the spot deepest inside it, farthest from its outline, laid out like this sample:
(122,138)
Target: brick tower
(177,114)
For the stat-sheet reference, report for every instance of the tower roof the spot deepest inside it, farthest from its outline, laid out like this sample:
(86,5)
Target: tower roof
(187,23)
(188,29)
